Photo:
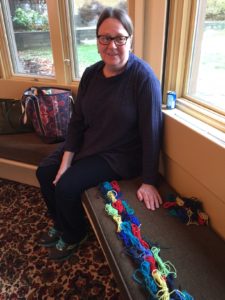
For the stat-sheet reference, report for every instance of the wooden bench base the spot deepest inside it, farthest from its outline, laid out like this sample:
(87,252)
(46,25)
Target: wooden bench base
(197,252)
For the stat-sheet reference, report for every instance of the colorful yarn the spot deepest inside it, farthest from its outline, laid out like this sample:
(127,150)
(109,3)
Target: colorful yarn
(128,209)
(115,186)
(111,195)
(164,267)
(156,276)
(110,210)
(178,295)
(163,293)
(119,206)
(137,232)
(188,210)
(152,262)
(135,254)
(114,213)
(146,279)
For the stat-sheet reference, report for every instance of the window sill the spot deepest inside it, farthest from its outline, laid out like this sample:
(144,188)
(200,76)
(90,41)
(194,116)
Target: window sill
(213,134)
(207,116)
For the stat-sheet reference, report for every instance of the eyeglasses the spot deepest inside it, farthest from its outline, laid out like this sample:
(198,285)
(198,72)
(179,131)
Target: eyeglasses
(118,40)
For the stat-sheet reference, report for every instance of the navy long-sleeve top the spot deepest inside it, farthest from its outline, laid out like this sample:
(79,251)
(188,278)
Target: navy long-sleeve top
(119,118)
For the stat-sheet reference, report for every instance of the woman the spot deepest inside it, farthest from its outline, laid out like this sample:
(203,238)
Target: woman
(114,134)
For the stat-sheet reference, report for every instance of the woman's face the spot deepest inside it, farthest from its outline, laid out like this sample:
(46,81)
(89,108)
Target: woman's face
(115,57)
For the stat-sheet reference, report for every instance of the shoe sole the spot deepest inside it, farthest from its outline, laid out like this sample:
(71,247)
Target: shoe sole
(49,245)
(72,251)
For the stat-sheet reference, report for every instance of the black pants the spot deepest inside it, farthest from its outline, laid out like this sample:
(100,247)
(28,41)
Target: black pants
(64,199)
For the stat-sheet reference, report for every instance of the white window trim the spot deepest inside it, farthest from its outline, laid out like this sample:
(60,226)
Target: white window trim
(180,35)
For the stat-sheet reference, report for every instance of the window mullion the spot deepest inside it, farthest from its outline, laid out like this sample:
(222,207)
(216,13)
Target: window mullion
(61,63)
(177,46)
(5,61)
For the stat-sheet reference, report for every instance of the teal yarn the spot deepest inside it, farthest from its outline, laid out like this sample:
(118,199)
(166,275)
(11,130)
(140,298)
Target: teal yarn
(180,295)
(187,296)
(128,209)
(146,279)
(155,275)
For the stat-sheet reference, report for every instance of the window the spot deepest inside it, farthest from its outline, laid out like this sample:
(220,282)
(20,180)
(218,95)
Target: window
(33,30)
(83,20)
(27,30)
(195,60)
(207,69)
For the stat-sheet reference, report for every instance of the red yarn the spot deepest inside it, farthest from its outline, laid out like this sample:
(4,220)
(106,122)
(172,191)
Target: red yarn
(115,186)
(137,233)
(119,206)
(152,262)
(169,204)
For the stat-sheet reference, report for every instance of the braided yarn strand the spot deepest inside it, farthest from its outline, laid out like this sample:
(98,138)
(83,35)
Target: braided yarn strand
(154,275)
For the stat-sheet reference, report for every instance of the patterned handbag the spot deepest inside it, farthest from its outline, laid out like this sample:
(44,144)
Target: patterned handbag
(49,109)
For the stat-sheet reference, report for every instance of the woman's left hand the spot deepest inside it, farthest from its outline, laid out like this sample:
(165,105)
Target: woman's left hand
(149,194)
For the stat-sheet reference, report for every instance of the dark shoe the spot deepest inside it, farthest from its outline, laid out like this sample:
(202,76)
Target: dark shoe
(50,238)
(63,251)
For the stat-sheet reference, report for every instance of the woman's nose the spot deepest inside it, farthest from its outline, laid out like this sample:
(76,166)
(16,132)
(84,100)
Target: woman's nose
(112,44)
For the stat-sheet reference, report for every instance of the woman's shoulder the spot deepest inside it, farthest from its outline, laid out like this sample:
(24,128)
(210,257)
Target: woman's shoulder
(90,73)
(141,67)
(93,68)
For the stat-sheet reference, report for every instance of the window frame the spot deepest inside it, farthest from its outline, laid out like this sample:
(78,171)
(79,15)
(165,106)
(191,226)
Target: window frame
(60,41)
(178,55)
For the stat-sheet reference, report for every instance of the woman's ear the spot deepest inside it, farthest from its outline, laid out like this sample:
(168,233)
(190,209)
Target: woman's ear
(98,47)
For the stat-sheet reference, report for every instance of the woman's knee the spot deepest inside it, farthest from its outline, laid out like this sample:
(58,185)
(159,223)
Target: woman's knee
(67,189)
(46,175)
(40,173)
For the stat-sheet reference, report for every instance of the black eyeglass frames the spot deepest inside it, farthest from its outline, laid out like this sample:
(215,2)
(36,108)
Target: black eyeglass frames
(118,40)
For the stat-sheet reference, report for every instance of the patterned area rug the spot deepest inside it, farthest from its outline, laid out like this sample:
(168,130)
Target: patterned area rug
(25,271)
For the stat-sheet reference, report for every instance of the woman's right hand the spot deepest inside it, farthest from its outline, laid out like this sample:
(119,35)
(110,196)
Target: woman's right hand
(65,164)
(59,174)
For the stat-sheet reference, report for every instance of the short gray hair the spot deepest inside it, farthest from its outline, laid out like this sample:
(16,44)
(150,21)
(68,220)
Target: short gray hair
(116,13)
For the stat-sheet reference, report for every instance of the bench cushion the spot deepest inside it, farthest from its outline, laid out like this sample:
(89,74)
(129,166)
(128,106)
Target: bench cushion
(26,147)
(196,251)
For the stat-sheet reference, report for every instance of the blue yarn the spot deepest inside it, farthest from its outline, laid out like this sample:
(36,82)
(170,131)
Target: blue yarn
(124,238)
(138,252)
(129,210)
(126,228)
(105,187)
(170,282)
(180,295)
(134,220)
(136,255)
(187,296)
(147,280)
(181,213)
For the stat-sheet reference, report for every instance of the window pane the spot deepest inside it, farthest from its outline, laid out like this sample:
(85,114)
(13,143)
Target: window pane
(28,37)
(84,15)
(207,73)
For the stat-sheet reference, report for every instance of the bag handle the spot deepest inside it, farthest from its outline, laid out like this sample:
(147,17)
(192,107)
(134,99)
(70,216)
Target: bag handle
(35,90)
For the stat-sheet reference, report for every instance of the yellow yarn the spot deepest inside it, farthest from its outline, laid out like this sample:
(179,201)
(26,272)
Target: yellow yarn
(163,293)
(118,221)
(111,195)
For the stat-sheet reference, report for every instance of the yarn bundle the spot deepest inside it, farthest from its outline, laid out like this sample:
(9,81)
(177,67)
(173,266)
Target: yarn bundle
(188,210)
(153,274)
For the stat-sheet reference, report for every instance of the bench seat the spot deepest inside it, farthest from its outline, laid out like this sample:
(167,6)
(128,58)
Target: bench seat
(20,154)
(24,147)
(197,252)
